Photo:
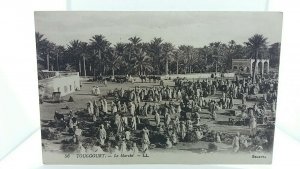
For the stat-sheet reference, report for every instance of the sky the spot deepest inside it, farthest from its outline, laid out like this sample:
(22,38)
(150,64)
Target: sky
(180,28)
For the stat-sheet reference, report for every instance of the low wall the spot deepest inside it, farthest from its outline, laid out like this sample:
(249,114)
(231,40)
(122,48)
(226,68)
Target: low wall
(197,75)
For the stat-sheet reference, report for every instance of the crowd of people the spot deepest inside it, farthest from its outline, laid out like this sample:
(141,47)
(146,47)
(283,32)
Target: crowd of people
(133,115)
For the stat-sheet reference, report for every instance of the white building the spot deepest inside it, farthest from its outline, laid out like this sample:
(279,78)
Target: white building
(54,81)
(245,66)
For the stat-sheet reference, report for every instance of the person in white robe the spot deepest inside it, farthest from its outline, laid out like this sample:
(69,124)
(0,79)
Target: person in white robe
(133,123)
(199,134)
(177,124)
(127,135)
(157,118)
(93,91)
(182,131)
(218,137)
(94,118)
(168,143)
(132,108)
(80,149)
(114,109)
(197,115)
(145,141)
(90,108)
(179,95)
(135,150)
(178,110)
(159,97)
(102,135)
(97,91)
(125,120)
(236,142)
(123,148)
(105,106)
(252,126)
(77,134)
(118,122)
(189,124)
(174,138)
(105,82)
(167,119)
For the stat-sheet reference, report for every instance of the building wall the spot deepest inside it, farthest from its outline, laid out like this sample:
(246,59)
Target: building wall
(65,83)
(245,66)
(241,66)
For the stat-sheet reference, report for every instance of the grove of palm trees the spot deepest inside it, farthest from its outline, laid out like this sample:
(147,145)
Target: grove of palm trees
(100,57)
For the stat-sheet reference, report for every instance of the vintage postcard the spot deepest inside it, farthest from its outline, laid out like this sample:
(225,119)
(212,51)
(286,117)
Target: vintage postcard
(158,87)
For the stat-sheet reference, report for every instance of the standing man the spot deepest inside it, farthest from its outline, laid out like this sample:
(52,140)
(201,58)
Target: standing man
(253,126)
(102,135)
(236,142)
(157,118)
(133,122)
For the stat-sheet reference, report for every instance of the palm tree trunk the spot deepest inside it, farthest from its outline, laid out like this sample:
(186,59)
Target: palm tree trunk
(84,68)
(79,64)
(140,71)
(94,73)
(99,55)
(167,66)
(254,69)
(113,72)
(48,66)
(57,62)
(216,67)
(176,67)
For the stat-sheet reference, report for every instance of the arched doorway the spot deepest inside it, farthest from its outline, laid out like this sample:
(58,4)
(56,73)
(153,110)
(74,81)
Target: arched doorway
(266,67)
(253,68)
(241,69)
(260,68)
(248,69)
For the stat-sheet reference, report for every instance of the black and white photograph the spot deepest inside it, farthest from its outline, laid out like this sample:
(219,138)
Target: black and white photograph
(157,87)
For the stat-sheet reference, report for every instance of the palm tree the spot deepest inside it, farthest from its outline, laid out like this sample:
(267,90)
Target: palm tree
(84,54)
(188,57)
(99,45)
(132,48)
(274,53)
(256,44)
(167,49)
(231,49)
(155,52)
(134,45)
(218,53)
(142,63)
(135,41)
(115,57)
(59,51)
(43,49)
(177,56)
(75,52)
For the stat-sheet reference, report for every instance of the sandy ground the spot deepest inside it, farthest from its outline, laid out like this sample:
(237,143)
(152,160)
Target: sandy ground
(84,95)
